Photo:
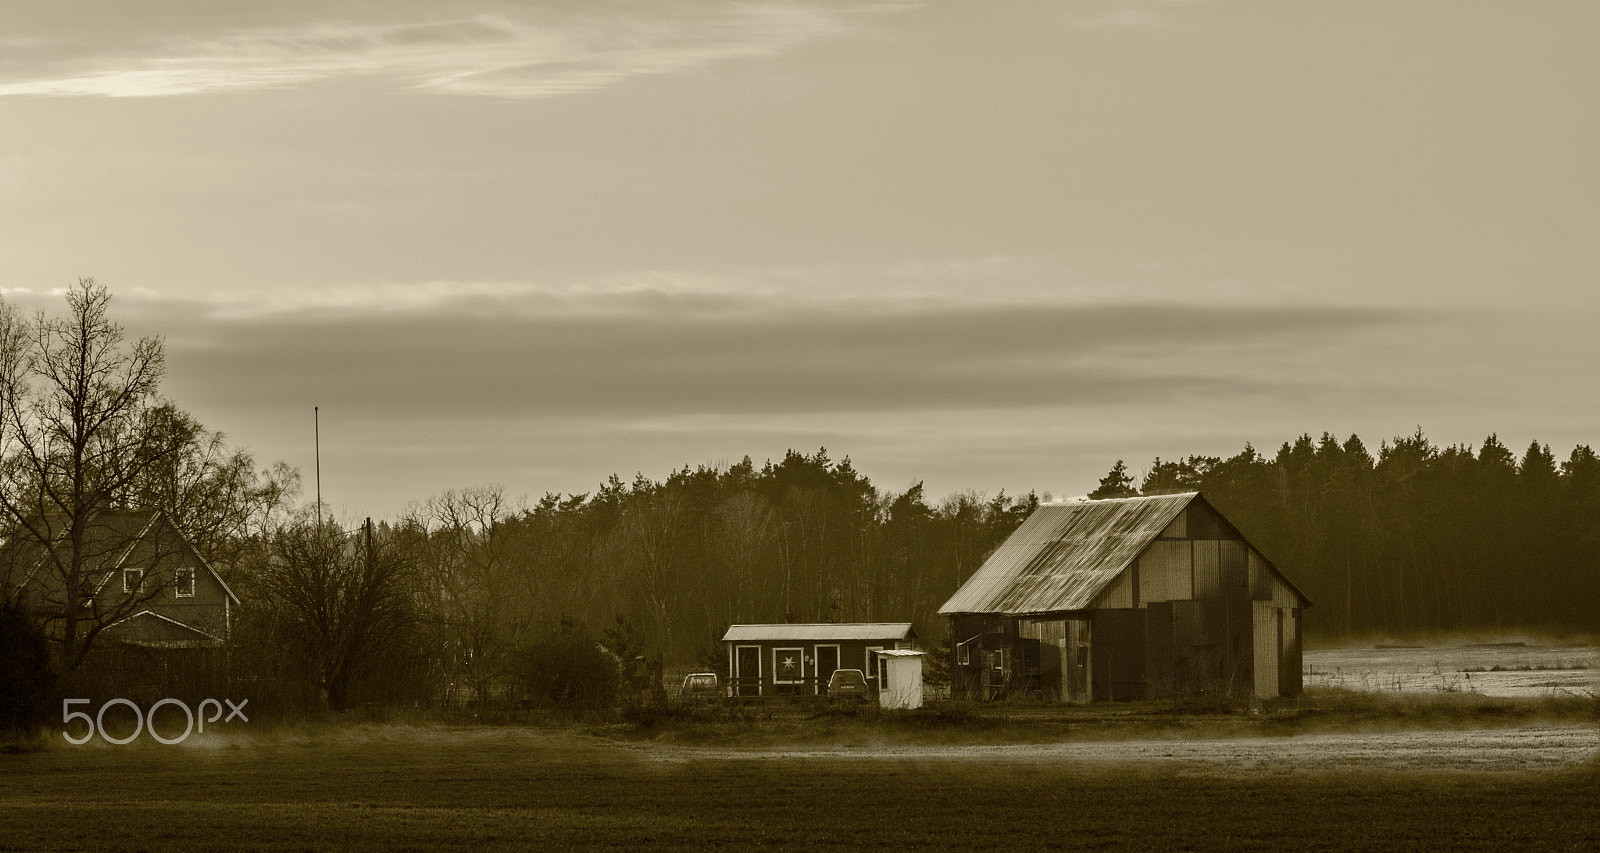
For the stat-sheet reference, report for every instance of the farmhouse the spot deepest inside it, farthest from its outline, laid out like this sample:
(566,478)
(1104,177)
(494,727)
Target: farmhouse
(1125,599)
(798,659)
(142,579)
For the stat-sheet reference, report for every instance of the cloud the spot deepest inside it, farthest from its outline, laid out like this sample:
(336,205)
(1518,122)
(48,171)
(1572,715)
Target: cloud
(436,386)
(507,352)
(1119,17)
(541,52)
(1130,13)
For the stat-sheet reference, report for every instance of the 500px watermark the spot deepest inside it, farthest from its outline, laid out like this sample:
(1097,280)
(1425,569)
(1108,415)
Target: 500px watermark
(140,717)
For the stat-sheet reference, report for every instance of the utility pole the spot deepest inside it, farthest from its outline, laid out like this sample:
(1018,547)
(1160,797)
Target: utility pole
(316,432)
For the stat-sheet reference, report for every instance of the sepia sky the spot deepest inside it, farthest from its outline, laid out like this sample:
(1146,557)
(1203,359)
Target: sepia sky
(989,246)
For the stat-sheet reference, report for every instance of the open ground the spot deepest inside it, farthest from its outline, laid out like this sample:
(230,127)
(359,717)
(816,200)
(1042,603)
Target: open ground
(1390,748)
(1340,771)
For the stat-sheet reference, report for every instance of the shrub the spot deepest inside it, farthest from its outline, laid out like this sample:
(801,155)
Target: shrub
(26,678)
(568,671)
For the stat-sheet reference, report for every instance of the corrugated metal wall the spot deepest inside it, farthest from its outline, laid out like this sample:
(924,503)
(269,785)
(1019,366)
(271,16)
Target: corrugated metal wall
(1268,635)
(1166,571)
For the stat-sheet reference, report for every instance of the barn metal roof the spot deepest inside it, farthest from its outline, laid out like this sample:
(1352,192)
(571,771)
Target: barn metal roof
(1064,555)
(828,631)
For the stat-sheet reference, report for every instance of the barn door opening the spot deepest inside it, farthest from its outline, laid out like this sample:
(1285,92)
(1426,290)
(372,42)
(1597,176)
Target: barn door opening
(1075,667)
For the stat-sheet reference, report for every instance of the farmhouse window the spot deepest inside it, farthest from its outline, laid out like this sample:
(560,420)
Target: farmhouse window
(788,666)
(132,579)
(183,583)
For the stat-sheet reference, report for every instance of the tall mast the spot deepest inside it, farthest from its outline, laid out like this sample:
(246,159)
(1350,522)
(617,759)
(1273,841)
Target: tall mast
(316,431)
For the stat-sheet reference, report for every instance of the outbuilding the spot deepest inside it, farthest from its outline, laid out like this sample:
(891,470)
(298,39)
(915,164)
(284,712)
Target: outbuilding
(1124,599)
(798,659)
(902,678)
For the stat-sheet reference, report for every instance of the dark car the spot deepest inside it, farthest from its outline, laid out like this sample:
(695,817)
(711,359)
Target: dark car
(700,688)
(847,685)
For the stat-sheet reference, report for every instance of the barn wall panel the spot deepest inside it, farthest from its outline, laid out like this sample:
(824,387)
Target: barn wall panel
(1234,560)
(1282,595)
(1265,633)
(1190,667)
(1261,578)
(1291,676)
(1235,575)
(1160,656)
(1117,654)
(1119,595)
(1240,646)
(1207,569)
(1166,571)
(1212,655)
(1202,523)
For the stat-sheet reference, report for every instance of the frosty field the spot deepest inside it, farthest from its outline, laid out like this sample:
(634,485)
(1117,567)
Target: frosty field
(1489,669)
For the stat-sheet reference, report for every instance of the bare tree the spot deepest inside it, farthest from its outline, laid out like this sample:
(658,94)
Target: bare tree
(80,423)
(343,603)
(470,582)
(214,493)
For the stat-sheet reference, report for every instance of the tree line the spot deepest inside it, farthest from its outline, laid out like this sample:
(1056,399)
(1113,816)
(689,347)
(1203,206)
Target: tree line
(474,597)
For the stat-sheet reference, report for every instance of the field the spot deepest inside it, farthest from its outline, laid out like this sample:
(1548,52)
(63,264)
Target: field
(1491,669)
(1340,769)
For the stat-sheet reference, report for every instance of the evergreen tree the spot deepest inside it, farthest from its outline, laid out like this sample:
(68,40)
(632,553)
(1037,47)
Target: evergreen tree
(1118,483)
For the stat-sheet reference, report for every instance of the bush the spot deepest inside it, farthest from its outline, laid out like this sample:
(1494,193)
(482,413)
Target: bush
(26,678)
(569,671)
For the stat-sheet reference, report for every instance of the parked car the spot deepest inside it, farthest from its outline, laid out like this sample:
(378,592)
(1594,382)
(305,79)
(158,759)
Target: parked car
(848,685)
(700,688)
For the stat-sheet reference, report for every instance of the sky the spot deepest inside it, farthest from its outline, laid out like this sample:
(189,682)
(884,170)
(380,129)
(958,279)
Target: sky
(985,247)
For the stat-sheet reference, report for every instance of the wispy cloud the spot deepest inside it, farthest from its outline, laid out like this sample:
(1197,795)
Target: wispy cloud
(650,352)
(1119,17)
(1128,13)
(538,53)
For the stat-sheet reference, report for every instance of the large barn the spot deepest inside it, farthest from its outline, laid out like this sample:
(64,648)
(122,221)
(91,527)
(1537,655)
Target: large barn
(1127,599)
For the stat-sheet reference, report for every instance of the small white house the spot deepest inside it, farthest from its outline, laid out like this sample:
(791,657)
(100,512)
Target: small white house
(902,678)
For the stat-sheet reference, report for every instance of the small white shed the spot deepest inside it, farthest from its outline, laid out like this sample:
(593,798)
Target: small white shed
(902,678)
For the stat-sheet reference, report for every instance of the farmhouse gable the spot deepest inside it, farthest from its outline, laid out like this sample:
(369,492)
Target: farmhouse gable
(141,578)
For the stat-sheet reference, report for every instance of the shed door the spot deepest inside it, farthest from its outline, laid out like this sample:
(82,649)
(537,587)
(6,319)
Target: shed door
(827,662)
(747,670)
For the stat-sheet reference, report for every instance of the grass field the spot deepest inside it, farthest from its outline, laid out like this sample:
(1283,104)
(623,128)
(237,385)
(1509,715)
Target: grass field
(1516,668)
(1334,780)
